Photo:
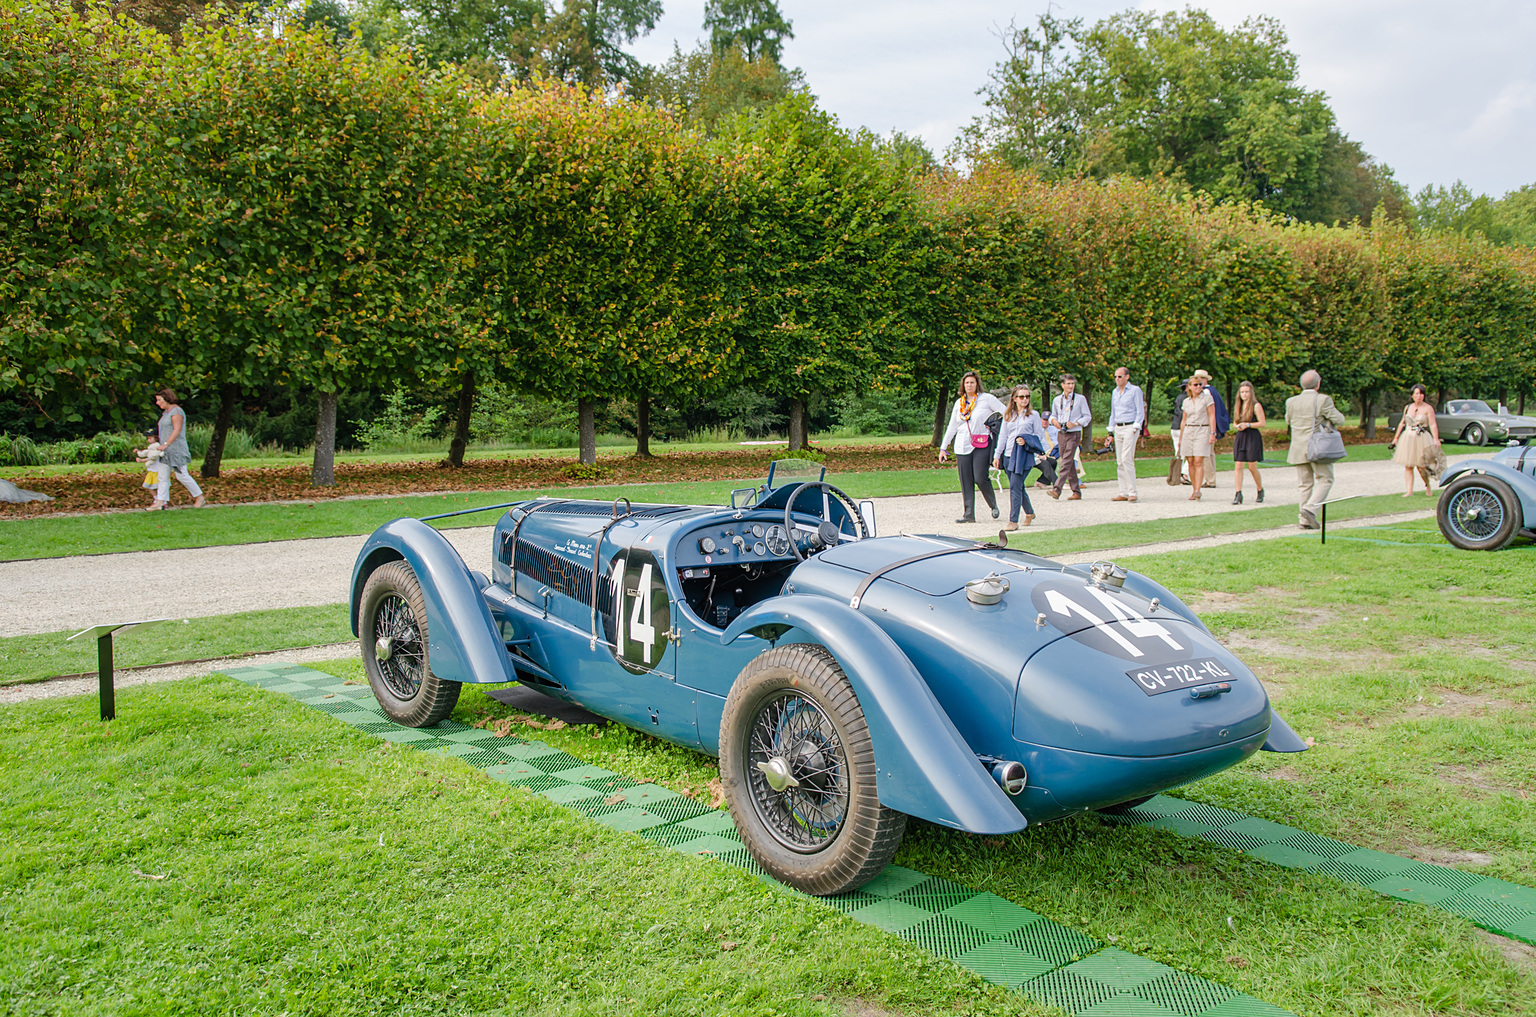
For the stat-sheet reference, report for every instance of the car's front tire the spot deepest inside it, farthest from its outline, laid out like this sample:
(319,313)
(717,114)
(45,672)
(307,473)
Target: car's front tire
(1474,434)
(798,768)
(1479,513)
(392,628)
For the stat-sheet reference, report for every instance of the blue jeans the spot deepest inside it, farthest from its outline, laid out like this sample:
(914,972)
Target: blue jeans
(1018,494)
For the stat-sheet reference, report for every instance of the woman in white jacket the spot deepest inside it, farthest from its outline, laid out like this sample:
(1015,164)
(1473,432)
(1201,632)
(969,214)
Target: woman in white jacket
(972,443)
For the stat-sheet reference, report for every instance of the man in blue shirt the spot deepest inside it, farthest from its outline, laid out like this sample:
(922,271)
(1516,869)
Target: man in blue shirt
(1070,414)
(1127,413)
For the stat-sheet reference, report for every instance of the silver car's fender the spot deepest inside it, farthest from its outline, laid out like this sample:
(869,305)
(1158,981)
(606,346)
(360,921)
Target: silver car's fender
(923,766)
(462,642)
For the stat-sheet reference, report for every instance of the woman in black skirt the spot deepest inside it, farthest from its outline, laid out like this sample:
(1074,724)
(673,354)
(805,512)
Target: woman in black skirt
(1248,444)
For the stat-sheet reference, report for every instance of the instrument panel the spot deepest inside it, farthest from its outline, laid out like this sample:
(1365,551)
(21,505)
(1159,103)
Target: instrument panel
(738,540)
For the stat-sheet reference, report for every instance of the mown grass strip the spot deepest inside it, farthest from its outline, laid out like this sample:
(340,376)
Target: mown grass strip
(1004,943)
(41,656)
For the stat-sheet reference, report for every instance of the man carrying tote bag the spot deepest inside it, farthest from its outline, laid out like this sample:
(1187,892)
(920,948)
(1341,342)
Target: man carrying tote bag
(1315,445)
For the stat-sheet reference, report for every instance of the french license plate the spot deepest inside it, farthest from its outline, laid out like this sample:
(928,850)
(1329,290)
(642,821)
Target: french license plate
(1154,681)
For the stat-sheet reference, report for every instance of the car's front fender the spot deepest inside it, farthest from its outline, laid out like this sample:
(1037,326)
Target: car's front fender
(923,766)
(1522,484)
(462,640)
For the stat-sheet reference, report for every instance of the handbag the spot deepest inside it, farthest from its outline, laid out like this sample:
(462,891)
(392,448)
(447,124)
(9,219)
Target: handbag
(1175,472)
(1326,444)
(1433,459)
(981,440)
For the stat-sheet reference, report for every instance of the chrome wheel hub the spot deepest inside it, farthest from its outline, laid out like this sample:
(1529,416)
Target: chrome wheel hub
(776,772)
(383,648)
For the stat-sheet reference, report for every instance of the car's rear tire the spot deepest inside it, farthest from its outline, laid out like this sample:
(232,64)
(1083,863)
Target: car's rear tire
(392,628)
(1474,434)
(1479,513)
(792,713)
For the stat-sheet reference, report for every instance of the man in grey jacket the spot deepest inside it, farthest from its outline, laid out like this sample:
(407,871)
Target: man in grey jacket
(1302,412)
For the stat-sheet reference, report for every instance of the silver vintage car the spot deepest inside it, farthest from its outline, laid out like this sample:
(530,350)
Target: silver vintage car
(1474,422)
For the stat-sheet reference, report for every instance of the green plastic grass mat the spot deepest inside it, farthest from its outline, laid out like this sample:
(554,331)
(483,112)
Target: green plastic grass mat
(1508,909)
(1004,943)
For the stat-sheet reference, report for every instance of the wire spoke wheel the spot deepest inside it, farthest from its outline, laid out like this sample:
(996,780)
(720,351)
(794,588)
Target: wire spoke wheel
(798,767)
(795,746)
(1476,513)
(1479,513)
(405,667)
(392,631)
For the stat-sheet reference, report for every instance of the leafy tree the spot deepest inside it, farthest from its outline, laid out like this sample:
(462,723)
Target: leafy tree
(1514,217)
(611,226)
(704,87)
(832,260)
(69,273)
(302,213)
(485,37)
(1170,95)
(755,28)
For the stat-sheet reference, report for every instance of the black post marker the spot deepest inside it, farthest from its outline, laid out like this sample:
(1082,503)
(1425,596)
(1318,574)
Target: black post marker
(104,674)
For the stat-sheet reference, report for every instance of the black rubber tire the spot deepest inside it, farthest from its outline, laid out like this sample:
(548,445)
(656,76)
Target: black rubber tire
(1477,512)
(407,690)
(801,692)
(1475,434)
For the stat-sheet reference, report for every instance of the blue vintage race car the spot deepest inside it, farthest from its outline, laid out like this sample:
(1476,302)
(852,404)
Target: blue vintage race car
(1489,502)
(845,681)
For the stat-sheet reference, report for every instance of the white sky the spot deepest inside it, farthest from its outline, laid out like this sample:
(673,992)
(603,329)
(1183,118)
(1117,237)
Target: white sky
(1437,91)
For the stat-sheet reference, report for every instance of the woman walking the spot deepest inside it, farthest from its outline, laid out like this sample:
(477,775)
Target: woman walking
(972,443)
(1195,430)
(1417,433)
(173,438)
(1022,438)
(1248,445)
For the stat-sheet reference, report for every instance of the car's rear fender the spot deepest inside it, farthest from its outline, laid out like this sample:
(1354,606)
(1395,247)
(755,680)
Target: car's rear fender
(462,640)
(1521,483)
(923,766)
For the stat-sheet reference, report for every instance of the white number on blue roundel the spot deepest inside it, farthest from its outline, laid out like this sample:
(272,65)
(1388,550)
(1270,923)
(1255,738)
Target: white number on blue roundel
(1133,634)
(640,616)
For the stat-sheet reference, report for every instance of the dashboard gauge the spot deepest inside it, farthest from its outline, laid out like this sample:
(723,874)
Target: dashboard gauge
(778,541)
(707,545)
(759,550)
(757,531)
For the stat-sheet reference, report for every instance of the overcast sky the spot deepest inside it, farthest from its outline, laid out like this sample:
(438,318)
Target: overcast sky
(1437,91)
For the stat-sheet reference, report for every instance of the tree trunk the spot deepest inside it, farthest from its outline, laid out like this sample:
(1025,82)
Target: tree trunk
(1368,413)
(796,424)
(1503,397)
(323,473)
(940,413)
(461,422)
(643,425)
(1522,404)
(215,454)
(1439,399)
(586,417)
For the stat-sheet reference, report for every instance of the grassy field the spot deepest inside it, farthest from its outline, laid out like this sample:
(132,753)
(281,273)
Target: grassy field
(221,850)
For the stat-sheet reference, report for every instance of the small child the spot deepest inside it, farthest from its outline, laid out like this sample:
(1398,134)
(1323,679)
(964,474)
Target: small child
(150,456)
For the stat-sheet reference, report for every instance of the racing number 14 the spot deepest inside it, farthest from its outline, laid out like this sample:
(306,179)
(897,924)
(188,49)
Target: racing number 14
(640,630)
(1135,623)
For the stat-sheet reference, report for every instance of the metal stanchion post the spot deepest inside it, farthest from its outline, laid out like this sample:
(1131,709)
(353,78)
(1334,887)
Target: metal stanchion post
(104,676)
(103,636)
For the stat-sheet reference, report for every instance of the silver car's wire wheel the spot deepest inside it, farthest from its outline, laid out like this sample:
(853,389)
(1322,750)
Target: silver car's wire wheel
(402,662)
(1475,513)
(1478,512)
(797,772)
